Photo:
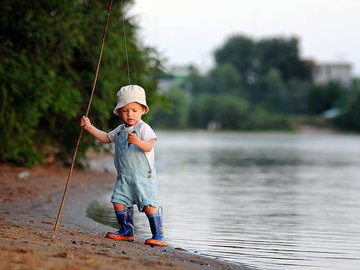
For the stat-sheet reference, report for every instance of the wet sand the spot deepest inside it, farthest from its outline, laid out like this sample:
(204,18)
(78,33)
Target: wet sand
(29,204)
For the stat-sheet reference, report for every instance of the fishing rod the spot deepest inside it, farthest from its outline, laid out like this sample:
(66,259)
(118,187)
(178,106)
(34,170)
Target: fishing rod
(87,112)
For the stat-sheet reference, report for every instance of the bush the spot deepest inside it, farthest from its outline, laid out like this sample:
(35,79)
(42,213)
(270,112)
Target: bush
(349,118)
(322,98)
(228,111)
(176,114)
(262,120)
(48,63)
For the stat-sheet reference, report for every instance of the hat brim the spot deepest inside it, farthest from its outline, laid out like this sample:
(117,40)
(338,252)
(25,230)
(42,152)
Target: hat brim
(130,100)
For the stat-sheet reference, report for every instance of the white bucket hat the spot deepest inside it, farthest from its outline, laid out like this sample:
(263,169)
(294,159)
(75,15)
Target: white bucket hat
(128,94)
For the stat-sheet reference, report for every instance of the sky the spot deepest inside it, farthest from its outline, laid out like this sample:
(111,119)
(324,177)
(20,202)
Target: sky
(189,31)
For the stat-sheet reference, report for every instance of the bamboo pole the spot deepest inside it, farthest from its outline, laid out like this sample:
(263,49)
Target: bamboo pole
(87,112)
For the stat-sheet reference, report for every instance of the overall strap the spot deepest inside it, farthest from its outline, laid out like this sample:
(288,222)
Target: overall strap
(138,126)
(122,127)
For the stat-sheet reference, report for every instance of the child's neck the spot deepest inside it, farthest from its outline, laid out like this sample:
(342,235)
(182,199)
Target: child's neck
(129,126)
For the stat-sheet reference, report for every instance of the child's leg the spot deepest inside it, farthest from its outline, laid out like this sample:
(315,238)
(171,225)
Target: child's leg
(150,210)
(124,216)
(118,207)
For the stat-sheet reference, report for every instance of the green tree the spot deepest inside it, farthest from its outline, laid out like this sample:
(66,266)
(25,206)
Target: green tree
(176,117)
(49,51)
(261,119)
(240,51)
(254,59)
(231,112)
(198,83)
(228,111)
(272,91)
(350,112)
(282,54)
(202,111)
(324,97)
(224,79)
(295,100)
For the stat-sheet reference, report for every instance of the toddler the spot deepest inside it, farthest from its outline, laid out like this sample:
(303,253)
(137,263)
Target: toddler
(134,161)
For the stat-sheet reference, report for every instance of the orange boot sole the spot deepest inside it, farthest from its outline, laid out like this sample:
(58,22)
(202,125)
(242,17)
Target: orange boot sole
(155,242)
(120,237)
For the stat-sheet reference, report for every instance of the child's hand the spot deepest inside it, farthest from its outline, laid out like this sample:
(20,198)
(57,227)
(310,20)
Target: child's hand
(132,138)
(85,122)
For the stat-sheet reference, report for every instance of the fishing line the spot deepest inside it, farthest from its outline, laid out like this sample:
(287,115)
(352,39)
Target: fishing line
(126,51)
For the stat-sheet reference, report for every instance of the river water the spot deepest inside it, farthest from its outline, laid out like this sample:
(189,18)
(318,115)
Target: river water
(269,201)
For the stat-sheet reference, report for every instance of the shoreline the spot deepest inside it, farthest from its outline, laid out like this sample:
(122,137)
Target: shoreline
(30,200)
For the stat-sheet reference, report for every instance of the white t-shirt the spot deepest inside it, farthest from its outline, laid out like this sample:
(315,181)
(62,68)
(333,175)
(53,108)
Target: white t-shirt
(145,133)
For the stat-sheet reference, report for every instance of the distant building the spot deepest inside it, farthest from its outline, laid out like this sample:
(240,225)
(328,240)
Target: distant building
(324,72)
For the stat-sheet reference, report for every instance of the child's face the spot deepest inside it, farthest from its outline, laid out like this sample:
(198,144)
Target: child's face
(131,113)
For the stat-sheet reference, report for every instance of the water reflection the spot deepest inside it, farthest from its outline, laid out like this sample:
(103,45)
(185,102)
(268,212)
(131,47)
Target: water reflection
(272,201)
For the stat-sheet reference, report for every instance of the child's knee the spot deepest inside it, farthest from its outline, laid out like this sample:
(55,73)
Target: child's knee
(150,210)
(119,207)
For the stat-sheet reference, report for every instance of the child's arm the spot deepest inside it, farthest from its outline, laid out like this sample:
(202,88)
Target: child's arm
(145,146)
(97,133)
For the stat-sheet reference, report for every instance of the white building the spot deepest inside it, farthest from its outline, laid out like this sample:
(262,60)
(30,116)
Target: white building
(324,72)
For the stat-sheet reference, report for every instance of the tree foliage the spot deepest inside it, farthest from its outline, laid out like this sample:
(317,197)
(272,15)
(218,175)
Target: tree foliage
(224,79)
(239,51)
(176,115)
(269,76)
(254,59)
(324,97)
(282,54)
(350,114)
(49,52)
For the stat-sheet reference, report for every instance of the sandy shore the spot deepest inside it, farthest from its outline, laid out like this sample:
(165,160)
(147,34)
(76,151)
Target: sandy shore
(29,203)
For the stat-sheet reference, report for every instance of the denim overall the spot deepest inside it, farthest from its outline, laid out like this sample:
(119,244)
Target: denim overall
(136,180)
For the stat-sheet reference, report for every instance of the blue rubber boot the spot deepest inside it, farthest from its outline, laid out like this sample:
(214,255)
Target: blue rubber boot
(155,221)
(126,232)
